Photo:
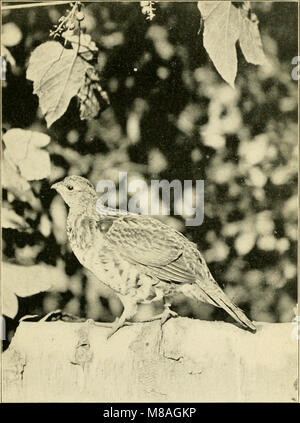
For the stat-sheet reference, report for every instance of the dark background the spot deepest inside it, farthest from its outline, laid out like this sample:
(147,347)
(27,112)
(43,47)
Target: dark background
(171,117)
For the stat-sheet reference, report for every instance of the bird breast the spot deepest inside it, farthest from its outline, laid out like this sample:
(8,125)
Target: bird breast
(81,231)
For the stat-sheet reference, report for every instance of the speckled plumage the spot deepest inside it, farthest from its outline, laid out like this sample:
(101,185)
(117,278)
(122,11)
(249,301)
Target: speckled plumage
(139,257)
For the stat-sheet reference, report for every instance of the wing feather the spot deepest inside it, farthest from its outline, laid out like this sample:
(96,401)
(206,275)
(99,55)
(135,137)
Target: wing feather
(148,242)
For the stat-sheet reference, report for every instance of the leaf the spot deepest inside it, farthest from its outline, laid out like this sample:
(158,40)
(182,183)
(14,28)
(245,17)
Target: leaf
(23,149)
(93,99)
(11,35)
(244,243)
(10,219)
(148,9)
(250,40)
(24,281)
(57,74)
(220,35)
(87,47)
(11,179)
(7,56)
(224,25)
(16,184)
(10,304)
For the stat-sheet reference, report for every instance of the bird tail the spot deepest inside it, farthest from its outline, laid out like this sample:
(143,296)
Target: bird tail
(215,296)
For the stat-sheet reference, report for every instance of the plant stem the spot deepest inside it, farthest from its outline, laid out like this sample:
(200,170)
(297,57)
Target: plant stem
(24,6)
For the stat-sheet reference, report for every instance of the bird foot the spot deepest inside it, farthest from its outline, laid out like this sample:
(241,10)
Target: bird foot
(116,325)
(60,315)
(53,315)
(163,317)
(120,321)
(167,314)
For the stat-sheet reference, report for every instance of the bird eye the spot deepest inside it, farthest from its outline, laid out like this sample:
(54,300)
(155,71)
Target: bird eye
(69,187)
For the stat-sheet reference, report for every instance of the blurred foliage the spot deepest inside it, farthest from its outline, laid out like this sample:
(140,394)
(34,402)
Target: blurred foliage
(171,117)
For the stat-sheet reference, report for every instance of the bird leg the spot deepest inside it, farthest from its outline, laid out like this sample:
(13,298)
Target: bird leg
(117,324)
(163,317)
(167,313)
(158,296)
(130,308)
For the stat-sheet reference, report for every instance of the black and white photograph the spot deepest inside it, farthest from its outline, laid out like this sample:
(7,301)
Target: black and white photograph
(149,173)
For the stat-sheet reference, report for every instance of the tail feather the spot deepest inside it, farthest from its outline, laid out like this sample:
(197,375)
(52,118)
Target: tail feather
(218,298)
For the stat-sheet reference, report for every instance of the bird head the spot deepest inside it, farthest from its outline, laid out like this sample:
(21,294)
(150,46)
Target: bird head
(75,190)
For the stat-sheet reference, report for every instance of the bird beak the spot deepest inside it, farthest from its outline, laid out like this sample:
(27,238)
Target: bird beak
(55,186)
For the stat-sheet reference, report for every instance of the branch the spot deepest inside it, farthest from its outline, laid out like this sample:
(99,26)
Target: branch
(187,360)
(25,6)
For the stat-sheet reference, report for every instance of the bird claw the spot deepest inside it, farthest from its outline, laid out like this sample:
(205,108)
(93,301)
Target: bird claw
(53,315)
(117,324)
(56,315)
(167,314)
(163,317)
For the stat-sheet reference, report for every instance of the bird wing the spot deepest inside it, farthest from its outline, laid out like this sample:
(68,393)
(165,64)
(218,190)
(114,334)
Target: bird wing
(148,242)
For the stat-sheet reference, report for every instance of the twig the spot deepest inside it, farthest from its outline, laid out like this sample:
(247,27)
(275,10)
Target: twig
(24,6)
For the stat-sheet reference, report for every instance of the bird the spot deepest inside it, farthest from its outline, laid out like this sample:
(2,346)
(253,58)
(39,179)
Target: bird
(139,257)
